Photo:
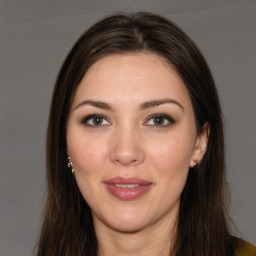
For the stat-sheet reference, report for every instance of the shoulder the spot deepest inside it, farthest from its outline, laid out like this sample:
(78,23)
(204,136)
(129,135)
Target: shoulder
(244,248)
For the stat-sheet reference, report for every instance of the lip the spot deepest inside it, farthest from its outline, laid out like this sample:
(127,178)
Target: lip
(142,186)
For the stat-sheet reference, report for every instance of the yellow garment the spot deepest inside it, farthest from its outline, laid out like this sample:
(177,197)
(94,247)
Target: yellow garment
(245,249)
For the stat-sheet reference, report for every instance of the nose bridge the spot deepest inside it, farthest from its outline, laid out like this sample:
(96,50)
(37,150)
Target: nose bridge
(126,148)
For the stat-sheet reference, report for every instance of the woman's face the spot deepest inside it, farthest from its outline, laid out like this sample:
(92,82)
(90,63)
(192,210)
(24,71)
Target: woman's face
(131,137)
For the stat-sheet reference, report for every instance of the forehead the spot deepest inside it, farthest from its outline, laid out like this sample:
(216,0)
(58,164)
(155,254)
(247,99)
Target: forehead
(136,76)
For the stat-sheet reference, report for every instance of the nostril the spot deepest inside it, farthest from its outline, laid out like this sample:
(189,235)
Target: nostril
(127,157)
(125,147)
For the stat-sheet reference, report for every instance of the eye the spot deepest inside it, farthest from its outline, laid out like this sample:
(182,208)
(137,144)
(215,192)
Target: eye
(95,120)
(160,120)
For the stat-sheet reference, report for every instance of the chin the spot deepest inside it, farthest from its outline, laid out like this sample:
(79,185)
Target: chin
(127,226)
(129,221)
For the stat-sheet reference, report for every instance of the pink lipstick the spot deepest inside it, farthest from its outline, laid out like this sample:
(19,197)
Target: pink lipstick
(127,188)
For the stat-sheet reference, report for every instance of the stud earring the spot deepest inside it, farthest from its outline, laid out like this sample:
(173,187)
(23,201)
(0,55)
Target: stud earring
(70,165)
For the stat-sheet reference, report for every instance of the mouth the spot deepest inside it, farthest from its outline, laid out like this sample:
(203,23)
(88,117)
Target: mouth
(126,185)
(127,188)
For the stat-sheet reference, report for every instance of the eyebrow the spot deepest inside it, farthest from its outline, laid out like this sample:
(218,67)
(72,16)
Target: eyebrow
(97,104)
(155,103)
(143,106)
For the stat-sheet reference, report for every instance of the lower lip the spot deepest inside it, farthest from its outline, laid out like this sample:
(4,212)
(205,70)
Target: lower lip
(128,193)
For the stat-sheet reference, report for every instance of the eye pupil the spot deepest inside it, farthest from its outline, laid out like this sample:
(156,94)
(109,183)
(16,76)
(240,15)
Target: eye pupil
(158,120)
(97,120)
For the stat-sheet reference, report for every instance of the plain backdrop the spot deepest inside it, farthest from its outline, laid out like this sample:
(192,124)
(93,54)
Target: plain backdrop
(36,36)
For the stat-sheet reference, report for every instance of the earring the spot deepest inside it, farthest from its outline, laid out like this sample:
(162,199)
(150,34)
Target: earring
(70,165)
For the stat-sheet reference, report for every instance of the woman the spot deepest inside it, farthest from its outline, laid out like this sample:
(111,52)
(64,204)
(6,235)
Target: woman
(136,113)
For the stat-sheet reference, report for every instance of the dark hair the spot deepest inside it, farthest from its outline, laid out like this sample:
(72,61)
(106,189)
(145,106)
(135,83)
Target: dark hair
(202,224)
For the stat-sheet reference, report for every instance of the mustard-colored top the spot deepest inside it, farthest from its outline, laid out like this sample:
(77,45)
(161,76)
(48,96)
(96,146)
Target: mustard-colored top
(245,249)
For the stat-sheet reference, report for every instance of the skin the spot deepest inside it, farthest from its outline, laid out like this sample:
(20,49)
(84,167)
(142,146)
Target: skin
(128,142)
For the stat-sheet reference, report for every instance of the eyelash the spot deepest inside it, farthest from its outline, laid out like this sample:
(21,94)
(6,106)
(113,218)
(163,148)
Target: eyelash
(161,116)
(90,117)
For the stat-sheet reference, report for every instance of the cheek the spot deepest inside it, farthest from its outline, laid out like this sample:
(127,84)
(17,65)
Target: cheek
(88,155)
(89,158)
(172,153)
(170,161)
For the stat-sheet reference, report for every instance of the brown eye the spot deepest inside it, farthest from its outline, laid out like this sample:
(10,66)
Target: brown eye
(158,120)
(95,120)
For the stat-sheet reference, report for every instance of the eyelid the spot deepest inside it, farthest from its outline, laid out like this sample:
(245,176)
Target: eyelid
(161,115)
(89,117)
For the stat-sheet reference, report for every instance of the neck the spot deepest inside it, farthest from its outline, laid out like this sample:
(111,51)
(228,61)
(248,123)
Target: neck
(155,240)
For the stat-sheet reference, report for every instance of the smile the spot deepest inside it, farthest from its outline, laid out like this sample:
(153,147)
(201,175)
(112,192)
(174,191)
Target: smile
(126,185)
(127,188)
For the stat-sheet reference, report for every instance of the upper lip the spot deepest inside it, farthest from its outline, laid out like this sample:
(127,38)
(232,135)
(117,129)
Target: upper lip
(130,180)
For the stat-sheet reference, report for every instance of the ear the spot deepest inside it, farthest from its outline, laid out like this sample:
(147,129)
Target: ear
(200,146)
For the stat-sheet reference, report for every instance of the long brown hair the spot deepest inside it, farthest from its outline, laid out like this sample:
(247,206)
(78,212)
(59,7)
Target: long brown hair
(202,230)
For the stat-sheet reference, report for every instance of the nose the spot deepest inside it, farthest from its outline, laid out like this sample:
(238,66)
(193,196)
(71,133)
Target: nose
(126,147)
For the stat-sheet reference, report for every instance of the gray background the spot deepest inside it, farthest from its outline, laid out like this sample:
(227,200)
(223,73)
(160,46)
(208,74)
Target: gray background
(36,36)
